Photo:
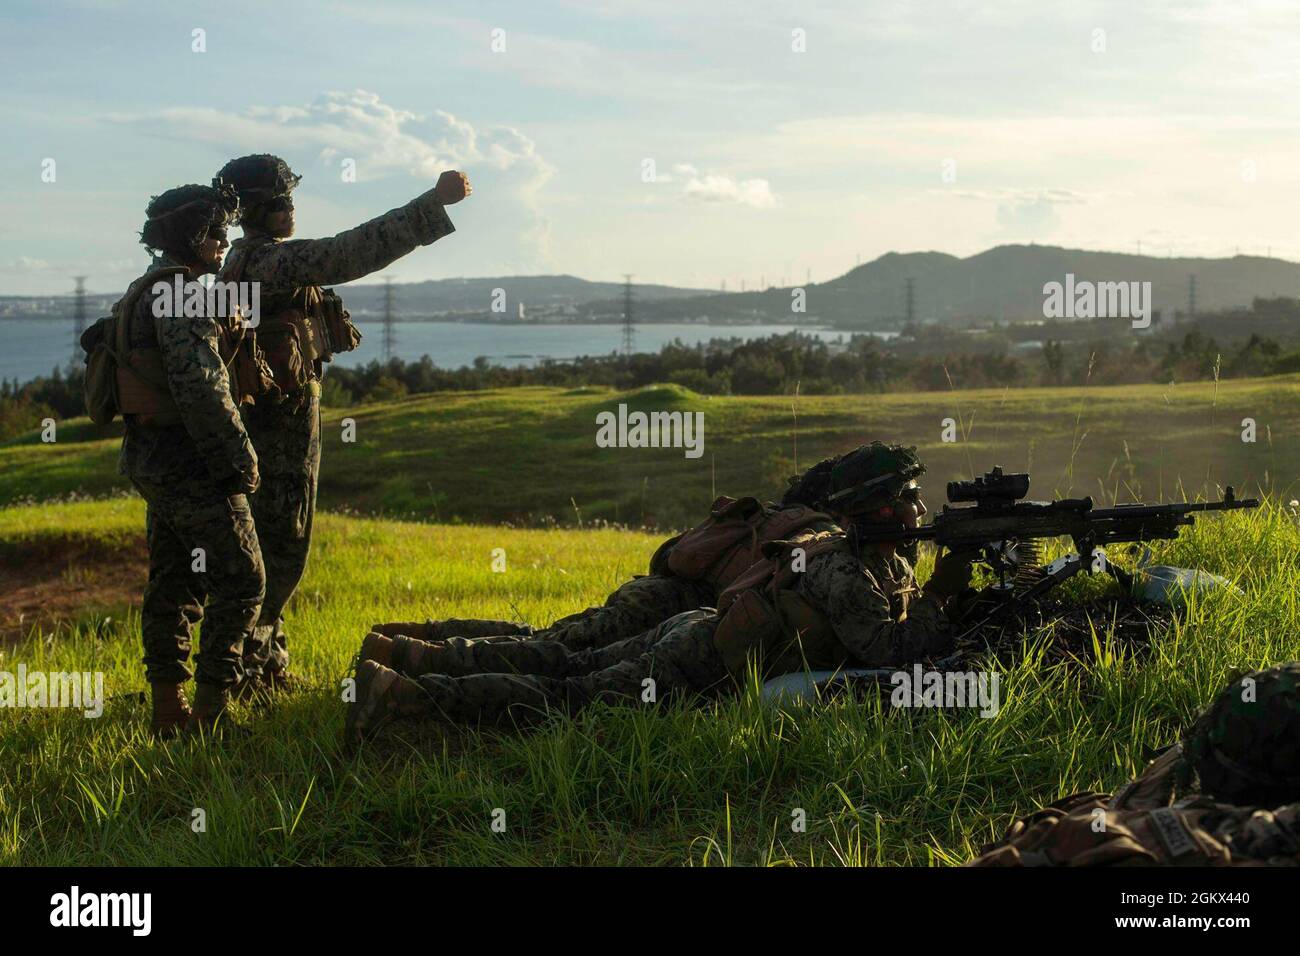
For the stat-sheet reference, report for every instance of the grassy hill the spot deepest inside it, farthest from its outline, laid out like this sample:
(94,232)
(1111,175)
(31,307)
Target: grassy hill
(529,456)
(633,784)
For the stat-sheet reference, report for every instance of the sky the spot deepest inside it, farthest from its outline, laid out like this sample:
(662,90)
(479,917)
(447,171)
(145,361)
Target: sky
(690,143)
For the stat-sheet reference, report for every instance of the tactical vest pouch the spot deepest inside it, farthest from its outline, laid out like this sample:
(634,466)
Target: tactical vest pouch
(142,389)
(758,575)
(749,630)
(250,377)
(340,334)
(286,345)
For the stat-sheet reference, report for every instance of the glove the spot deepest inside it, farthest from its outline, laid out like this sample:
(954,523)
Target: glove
(952,573)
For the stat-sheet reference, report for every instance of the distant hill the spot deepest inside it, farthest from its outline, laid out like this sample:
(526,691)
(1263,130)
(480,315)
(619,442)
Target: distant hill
(1004,283)
(539,294)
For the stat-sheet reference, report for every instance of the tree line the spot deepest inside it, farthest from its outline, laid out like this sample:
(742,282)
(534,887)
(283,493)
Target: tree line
(774,365)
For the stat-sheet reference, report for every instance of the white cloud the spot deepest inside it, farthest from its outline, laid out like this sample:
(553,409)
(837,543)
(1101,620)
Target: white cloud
(382,140)
(722,188)
(25,265)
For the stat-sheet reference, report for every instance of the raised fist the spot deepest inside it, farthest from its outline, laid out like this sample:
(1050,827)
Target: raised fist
(452,187)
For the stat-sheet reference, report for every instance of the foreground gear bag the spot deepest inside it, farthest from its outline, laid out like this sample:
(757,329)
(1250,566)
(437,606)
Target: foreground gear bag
(1080,831)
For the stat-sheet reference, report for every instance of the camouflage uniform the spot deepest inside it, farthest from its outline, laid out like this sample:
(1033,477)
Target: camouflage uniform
(489,679)
(634,607)
(650,599)
(1227,796)
(193,476)
(1088,830)
(287,434)
(888,622)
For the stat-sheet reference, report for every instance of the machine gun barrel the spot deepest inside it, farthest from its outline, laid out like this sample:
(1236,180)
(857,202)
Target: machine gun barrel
(999,519)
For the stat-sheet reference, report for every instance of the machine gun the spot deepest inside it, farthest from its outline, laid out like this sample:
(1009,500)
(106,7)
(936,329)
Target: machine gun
(992,518)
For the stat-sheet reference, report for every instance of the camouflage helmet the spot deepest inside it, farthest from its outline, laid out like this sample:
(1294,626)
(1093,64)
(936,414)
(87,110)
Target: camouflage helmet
(1246,747)
(259,178)
(178,220)
(810,487)
(871,477)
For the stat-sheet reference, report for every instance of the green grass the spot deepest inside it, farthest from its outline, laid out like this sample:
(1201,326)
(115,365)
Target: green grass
(528,455)
(617,785)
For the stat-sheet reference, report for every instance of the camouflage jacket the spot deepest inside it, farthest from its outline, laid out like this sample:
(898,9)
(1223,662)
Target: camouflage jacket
(874,607)
(284,267)
(210,443)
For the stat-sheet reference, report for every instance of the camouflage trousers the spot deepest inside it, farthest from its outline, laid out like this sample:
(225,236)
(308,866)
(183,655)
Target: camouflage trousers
(203,550)
(500,679)
(635,607)
(286,437)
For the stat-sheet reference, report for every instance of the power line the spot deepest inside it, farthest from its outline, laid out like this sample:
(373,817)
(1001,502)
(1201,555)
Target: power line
(78,317)
(390,333)
(909,299)
(629,329)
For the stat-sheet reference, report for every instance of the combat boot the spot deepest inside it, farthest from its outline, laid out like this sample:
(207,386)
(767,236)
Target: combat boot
(378,648)
(413,657)
(208,714)
(281,682)
(170,710)
(249,690)
(382,695)
(260,689)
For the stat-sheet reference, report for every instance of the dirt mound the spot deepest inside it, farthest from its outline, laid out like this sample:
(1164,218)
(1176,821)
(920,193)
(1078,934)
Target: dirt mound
(46,584)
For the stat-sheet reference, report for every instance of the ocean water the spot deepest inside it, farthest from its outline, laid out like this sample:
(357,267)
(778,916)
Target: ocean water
(35,346)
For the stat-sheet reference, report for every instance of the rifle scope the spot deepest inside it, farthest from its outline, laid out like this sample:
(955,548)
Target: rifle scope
(993,486)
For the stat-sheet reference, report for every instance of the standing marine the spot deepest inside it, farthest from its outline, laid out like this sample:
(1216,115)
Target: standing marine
(186,451)
(816,600)
(302,325)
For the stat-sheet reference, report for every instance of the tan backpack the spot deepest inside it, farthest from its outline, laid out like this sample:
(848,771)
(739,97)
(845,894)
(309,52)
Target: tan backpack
(729,541)
(122,380)
(128,381)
